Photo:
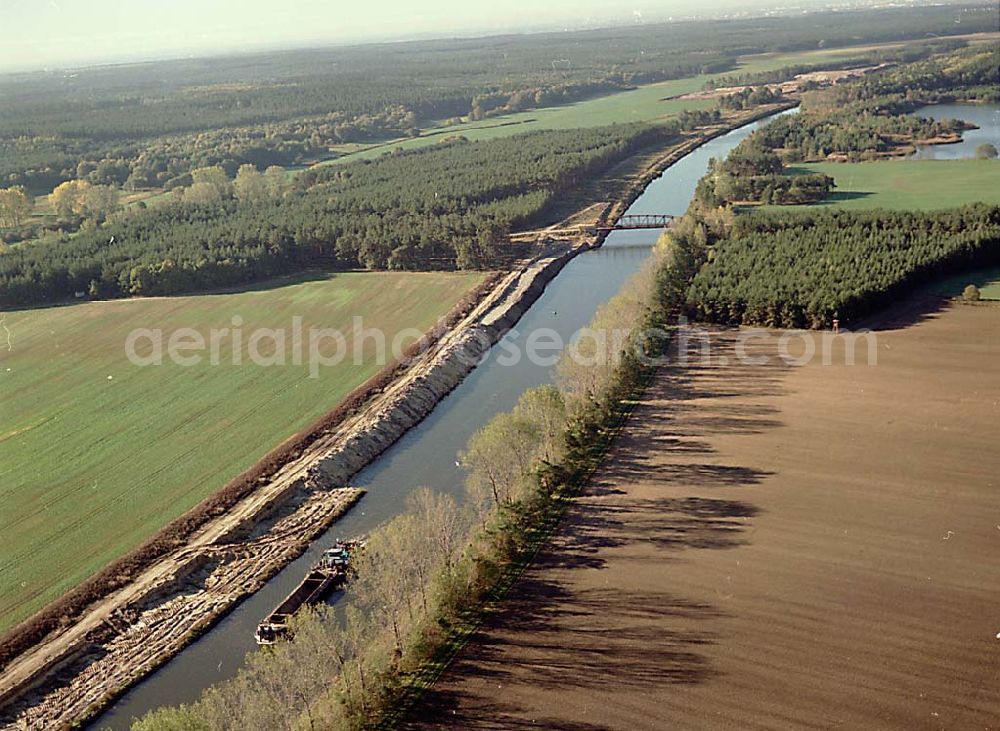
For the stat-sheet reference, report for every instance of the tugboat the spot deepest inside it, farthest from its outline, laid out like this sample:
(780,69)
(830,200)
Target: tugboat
(330,573)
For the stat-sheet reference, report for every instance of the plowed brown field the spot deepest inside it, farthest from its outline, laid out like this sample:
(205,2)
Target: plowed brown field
(771,546)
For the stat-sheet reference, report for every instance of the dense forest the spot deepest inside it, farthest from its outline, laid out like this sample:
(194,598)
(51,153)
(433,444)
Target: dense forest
(805,269)
(145,125)
(441,207)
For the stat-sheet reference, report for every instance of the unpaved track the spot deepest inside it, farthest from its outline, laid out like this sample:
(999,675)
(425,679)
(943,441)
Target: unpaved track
(96,666)
(771,547)
(163,622)
(72,674)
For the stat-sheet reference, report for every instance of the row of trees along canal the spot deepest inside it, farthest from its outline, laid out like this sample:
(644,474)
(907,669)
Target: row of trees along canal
(427,576)
(429,573)
(446,206)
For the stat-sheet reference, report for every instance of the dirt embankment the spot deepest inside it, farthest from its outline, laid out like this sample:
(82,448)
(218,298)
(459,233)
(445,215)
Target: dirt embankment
(771,546)
(793,85)
(74,671)
(145,608)
(693,141)
(624,183)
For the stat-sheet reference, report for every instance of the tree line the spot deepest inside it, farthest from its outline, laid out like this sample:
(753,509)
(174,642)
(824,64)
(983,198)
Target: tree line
(425,576)
(74,204)
(143,126)
(442,207)
(805,269)
(869,117)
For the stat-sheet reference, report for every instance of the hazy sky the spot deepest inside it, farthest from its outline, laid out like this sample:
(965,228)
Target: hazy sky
(42,33)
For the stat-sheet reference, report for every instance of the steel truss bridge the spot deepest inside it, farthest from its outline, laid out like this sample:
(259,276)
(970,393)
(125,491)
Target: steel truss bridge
(637,221)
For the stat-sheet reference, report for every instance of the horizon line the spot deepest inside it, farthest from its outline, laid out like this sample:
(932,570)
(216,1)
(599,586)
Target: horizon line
(469,34)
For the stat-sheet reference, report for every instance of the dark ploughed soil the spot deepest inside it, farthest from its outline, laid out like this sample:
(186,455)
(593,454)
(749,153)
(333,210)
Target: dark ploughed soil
(774,547)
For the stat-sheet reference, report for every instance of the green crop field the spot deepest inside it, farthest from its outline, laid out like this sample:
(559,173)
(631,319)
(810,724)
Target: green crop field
(97,454)
(987,280)
(909,184)
(643,104)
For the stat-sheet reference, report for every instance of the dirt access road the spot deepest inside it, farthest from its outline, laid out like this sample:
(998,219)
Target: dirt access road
(771,547)
(66,678)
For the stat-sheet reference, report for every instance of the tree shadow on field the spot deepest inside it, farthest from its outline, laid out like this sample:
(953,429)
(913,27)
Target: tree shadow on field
(598,614)
(924,302)
(668,523)
(923,306)
(846,195)
(571,645)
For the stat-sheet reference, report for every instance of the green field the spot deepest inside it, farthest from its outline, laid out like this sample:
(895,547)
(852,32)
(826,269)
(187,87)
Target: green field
(97,454)
(643,104)
(988,281)
(908,184)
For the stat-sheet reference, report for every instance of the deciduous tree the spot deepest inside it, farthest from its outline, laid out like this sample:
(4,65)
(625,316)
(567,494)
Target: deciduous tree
(67,199)
(15,206)
(986,151)
(215,177)
(250,186)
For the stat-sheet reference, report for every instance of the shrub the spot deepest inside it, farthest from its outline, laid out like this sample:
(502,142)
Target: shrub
(986,151)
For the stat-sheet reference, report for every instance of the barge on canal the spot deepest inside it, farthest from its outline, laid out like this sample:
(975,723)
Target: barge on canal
(329,574)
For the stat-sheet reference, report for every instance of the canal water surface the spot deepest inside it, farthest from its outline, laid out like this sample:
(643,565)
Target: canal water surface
(427,454)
